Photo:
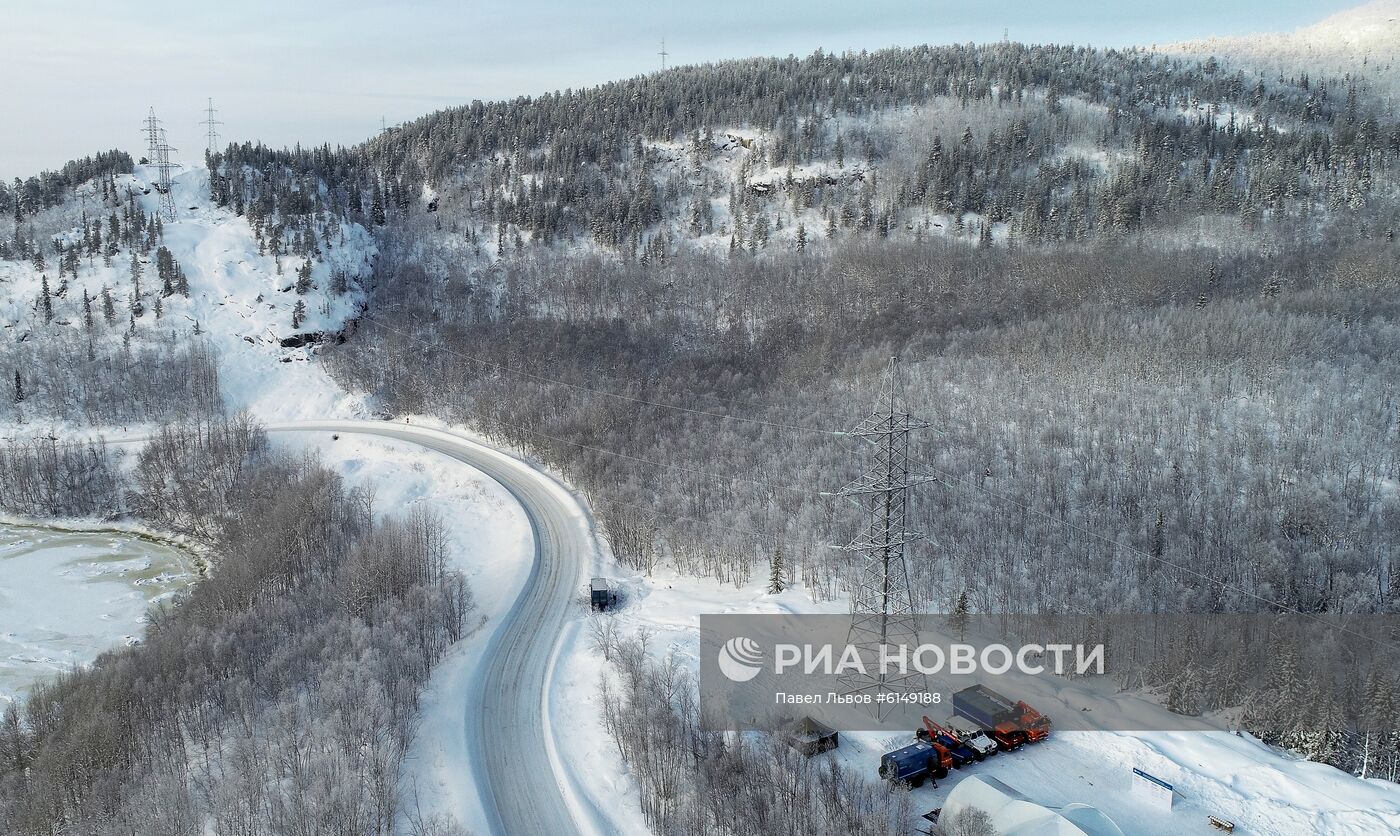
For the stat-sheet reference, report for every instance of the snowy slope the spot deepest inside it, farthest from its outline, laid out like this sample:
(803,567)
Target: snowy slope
(239,299)
(1364,39)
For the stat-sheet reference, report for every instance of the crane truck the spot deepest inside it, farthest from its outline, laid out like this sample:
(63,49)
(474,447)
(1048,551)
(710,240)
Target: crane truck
(959,753)
(972,746)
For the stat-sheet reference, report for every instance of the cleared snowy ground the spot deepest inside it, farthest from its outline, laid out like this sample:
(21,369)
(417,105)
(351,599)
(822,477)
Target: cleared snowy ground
(68,595)
(1261,789)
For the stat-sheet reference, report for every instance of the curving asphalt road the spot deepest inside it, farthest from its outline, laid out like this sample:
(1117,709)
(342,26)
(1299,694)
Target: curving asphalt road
(507,714)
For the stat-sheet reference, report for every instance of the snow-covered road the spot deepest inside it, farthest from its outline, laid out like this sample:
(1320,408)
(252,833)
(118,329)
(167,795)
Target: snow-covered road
(505,716)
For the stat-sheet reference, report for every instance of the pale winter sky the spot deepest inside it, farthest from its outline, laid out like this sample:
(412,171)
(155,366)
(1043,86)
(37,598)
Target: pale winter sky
(81,74)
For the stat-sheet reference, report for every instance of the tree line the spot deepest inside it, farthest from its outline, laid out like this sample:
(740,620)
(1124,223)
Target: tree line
(279,696)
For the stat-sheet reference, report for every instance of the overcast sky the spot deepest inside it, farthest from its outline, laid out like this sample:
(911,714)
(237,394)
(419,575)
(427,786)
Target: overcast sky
(81,74)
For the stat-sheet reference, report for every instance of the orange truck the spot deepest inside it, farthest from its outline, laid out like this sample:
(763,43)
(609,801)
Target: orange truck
(1009,723)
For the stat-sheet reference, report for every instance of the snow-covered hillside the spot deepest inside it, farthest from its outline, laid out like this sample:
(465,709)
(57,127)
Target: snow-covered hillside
(1364,39)
(241,299)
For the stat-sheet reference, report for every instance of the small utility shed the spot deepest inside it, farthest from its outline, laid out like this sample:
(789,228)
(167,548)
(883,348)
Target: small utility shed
(1013,814)
(810,737)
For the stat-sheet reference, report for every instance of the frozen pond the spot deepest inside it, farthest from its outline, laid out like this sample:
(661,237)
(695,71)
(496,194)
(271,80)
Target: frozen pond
(66,596)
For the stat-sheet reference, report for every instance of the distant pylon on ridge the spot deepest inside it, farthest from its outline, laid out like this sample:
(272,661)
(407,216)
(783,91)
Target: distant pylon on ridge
(212,127)
(159,156)
(152,131)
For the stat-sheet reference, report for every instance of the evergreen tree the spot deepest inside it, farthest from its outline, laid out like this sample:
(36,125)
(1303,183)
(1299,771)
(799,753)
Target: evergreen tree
(45,301)
(165,271)
(960,617)
(777,570)
(135,275)
(376,206)
(19,388)
(303,285)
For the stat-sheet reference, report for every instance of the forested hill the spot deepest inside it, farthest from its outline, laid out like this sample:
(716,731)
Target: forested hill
(1365,39)
(1036,141)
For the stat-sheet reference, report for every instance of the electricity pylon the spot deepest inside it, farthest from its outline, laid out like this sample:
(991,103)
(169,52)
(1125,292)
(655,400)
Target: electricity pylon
(163,186)
(212,126)
(158,155)
(152,131)
(882,608)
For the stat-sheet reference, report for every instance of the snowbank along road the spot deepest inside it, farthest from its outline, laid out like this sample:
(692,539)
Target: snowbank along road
(507,724)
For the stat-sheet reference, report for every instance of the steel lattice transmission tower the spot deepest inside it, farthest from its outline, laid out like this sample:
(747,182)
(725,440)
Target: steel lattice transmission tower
(159,156)
(212,128)
(164,166)
(882,608)
(153,136)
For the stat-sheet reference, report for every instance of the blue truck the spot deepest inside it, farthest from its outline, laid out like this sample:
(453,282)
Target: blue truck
(911,765)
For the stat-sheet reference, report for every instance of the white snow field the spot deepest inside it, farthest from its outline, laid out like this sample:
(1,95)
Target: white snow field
(68,594)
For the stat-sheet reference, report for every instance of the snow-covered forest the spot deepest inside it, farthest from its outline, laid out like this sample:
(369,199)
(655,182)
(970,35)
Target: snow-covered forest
(1149,305)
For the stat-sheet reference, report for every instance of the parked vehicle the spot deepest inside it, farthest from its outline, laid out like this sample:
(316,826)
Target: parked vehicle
(943,761)
(959,754)
(601,595)
(1037,725)
(1009,723)
(910,765)
(972,735)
